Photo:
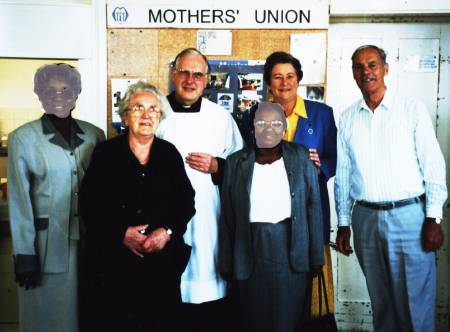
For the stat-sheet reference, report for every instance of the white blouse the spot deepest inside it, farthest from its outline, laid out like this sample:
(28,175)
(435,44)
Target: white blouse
(270,199)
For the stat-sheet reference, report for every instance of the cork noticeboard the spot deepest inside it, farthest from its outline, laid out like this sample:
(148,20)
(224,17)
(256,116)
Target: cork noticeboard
(148,52)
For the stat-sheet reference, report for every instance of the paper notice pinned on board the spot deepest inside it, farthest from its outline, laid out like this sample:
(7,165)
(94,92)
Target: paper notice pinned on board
(421,64)
(118,88)
(214,42)
(311,50)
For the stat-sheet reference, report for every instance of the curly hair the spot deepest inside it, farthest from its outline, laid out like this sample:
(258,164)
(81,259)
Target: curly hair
(57,71)
(141,86)
(281,57)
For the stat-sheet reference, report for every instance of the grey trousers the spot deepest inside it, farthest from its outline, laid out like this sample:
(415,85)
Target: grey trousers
(400,275)
(53,305)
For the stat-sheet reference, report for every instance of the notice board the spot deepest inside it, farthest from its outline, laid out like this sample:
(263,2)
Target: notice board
(147,53)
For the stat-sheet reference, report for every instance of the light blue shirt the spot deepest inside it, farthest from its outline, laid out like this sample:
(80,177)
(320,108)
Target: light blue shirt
(388,155)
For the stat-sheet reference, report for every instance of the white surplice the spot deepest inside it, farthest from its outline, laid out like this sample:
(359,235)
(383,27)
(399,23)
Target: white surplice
(212,131)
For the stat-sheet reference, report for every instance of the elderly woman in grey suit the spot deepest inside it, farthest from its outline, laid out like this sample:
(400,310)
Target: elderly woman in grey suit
(47,159)
(270,233)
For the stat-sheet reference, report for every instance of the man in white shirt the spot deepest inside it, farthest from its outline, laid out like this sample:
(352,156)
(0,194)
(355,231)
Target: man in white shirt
(205,134)
(390,169)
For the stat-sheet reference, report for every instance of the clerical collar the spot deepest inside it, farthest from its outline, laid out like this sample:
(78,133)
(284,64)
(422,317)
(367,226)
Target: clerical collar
(178,107)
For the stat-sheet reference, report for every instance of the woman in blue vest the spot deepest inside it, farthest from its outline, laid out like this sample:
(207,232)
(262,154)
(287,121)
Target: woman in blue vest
(309,123)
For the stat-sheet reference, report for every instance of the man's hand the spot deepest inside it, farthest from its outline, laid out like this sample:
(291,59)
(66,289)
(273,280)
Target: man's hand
(156,240)
(314,156)
(202,162)
(27,279)
(432,236)
(134,239)
(343,240)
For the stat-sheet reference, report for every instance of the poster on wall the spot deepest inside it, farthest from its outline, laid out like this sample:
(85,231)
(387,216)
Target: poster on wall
(118,88)
(236,85)
(421,63)
(311,50)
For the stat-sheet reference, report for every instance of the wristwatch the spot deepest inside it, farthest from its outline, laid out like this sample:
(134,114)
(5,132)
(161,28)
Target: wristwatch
(435,220)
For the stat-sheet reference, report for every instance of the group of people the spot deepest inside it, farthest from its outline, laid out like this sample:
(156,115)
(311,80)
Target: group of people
(181,225)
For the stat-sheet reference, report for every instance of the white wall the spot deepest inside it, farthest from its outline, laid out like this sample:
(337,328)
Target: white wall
(398,40)
(388,7)
(61,30)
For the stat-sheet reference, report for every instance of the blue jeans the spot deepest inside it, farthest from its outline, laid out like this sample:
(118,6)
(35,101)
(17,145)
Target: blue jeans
(400,275)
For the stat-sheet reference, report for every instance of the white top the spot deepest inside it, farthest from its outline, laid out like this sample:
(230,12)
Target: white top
(270,199)
(387,155)
(213,131)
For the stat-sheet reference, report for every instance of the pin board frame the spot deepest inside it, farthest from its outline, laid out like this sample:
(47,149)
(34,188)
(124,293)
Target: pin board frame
(147,52)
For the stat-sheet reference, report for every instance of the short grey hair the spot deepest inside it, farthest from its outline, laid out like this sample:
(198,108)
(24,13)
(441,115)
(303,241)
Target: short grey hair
(190,51)
(141,86)
(379,50)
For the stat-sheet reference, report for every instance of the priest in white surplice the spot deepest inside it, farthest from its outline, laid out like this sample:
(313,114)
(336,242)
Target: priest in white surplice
(205,134)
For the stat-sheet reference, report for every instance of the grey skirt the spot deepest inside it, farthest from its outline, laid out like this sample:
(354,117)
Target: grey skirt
(272,299)
(53,305)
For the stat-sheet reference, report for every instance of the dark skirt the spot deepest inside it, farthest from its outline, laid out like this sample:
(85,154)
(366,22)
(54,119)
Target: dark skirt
(272,299)
(136,295)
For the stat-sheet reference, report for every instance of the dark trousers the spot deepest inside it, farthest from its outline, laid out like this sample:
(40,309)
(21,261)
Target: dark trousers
(219,316)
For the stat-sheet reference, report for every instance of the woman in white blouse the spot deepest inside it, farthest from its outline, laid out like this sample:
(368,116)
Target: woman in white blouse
(270,232)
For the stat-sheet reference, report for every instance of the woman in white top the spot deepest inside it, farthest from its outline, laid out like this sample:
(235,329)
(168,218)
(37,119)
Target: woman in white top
(270,234)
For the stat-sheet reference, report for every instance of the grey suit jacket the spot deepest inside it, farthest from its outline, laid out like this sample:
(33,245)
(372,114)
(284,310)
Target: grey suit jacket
(44,174)
(235,243)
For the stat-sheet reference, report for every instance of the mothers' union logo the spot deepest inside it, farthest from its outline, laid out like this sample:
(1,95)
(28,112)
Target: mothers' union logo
(120,14)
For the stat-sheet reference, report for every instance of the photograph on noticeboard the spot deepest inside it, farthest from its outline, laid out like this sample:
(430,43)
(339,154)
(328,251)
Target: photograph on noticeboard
(250,81)
(226,100)
(236,85)
(313,93)
(218,81)
(247,99)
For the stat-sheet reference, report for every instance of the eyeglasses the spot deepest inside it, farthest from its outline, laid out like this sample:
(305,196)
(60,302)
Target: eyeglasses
(51,92)
(275,124)
(185,73)
(140,109)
